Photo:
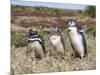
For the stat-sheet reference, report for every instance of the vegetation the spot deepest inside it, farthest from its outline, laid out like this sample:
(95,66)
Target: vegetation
(51,64)
(90,11)
(51,12)
(18,40)
(22,64)
(91,31)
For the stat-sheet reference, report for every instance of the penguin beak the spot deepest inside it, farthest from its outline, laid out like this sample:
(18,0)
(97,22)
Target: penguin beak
(69,30)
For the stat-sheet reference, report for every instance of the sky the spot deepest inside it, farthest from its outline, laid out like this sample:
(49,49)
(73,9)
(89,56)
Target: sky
(48,4)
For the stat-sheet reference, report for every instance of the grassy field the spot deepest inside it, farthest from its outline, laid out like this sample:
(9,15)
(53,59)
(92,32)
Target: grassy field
(21,22)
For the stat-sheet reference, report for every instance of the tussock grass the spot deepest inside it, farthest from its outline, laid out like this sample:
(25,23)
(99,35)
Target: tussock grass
(23,64)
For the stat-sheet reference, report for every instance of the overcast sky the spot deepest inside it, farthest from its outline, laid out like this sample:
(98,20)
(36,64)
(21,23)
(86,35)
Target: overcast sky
(46,4)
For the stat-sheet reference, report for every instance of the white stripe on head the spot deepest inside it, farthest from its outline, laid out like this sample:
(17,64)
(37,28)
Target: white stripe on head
(34,29)
(71,23)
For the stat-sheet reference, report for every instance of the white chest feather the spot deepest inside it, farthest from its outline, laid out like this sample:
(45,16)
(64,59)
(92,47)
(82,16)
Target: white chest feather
(36,45)
(55,39)
(74,36)
(76,40)
(56,42)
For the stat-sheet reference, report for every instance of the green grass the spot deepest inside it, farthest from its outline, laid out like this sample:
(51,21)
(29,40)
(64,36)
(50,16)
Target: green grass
(91,31)
(19,40)
(90,11)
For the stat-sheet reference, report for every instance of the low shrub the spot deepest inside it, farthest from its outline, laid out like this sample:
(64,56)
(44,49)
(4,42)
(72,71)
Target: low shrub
(91,31)
(90,11)
(18,40)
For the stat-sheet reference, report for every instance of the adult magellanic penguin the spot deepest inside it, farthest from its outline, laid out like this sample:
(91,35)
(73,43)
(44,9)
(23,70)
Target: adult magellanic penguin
(77,39)
(57,42)
(35,44)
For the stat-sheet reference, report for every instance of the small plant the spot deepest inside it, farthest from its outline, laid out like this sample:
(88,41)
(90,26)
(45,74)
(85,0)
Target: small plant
(90,11)
(19,40)
(92,31)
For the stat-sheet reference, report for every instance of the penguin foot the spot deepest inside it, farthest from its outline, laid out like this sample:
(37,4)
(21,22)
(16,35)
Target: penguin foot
(76,56)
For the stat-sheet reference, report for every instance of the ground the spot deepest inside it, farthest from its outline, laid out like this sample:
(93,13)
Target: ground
(22,64)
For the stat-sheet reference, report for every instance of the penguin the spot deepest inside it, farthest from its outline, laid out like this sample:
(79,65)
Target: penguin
(36,44)
(77,39)
(57,42)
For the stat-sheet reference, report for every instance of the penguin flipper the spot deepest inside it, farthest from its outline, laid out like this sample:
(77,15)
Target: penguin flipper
(42,43)
(85,45)
(62,40)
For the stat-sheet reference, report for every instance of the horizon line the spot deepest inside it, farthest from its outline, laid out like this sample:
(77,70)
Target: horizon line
(49,5)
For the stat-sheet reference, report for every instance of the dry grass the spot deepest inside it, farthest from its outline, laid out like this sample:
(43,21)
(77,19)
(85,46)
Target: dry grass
(24,65)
